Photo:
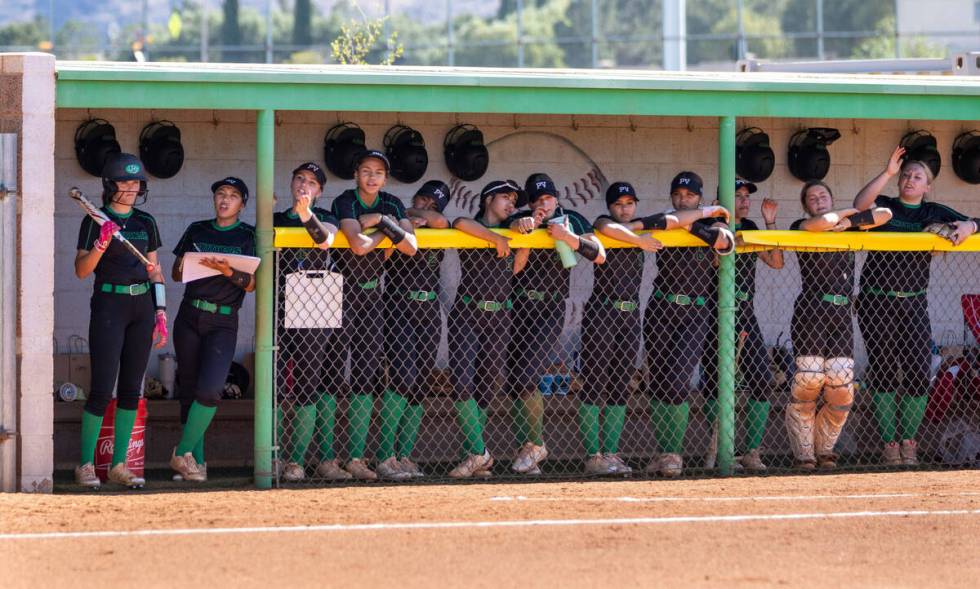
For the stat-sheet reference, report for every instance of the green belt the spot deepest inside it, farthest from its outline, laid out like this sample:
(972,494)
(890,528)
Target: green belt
(537,295)
(743,296)
(490,306)
(836,299)
(898,294)
(421,295)
(680,299)
(369,285)
(209,307)
(624,306)
(133,290)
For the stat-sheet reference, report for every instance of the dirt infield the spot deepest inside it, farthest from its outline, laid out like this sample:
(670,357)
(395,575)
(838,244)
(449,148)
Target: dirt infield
(855,530)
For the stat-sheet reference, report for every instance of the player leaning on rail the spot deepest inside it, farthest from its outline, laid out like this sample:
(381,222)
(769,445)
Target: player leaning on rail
(893,305)
(128,311)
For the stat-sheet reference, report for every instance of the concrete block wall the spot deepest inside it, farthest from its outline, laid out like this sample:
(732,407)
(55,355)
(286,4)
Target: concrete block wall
(646,151)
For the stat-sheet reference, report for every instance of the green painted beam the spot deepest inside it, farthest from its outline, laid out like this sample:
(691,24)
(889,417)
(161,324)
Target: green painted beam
(726,303)
(265,149)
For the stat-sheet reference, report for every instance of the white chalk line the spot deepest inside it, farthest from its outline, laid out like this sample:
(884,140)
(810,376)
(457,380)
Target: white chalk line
(756,498)
(632,521)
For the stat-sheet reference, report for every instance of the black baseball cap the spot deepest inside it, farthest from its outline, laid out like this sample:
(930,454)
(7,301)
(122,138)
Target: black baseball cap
(688,180)
(740,183)
(236,183)
(538,185)
(317,171)
(372,153)
(618,189)
(500,187)
(437,190)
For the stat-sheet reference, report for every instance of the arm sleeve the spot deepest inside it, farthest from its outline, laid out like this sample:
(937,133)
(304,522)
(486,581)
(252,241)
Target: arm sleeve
(343,207)
(248,245)
(396,208)
(943,214)
(579,224)
(153,242)
(87,234)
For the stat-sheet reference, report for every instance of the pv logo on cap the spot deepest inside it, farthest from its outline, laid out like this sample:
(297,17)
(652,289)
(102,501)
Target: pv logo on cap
(541,185)
(438,193)
(624,188)
(132,169)
(684,181)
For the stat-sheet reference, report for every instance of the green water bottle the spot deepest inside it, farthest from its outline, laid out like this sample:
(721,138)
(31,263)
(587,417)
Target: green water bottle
(564,250)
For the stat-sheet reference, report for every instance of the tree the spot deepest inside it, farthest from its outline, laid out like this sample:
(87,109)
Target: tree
(493,43)
(231,32)
(302,21)
(882,45)
(24,34)
(839,16)
(359,38)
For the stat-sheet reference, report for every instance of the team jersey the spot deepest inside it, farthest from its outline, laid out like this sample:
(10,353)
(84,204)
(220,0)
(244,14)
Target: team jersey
(366,269)
(304,258)
(207,237)
(118,265)
(544,271)
(686,270)
(904,271)
(745,263)
(825,272)
(619,278)
(484,276)
(418,272)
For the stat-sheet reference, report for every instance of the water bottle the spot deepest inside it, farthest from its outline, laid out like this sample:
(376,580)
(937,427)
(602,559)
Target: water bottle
(564,250)
(545,384)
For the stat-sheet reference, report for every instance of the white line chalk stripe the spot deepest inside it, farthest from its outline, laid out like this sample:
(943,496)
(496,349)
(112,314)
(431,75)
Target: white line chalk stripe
(759,498)
(631,521)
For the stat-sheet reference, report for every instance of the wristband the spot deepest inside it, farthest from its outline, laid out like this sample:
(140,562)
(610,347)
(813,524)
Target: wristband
(588,249)
(390,229)
(658,221)
(706,234)
(863,218)
(976,224)
(730,237)
(240,279)
(159,296)
(315,229)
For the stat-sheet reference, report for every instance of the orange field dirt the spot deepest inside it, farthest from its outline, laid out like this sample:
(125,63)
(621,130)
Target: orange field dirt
(903,529)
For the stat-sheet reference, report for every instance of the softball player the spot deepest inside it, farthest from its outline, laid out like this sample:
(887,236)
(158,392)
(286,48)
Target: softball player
(309,356)
(480,320)
(414,324)
(206,328)
(752,357)
(893,305)
(823,340)
(128,312)
(678,317)
(362,265)
(539,311)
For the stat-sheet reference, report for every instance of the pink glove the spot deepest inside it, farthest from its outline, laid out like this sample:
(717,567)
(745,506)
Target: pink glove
(160,330)
(105,235)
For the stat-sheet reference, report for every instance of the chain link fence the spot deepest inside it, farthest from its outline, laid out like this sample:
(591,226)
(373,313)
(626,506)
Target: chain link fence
(450,357)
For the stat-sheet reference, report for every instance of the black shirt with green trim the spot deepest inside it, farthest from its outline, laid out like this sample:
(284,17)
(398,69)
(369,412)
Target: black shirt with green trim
(825,272)
(544,271)
(619,278)
(208,237)
(366,269)
(686,270)
(745,264)
(303,258)
(118,265)
(904,271)
(484,276)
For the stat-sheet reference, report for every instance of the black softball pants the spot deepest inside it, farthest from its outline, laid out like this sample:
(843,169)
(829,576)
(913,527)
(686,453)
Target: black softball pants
(478,349)
(610,344)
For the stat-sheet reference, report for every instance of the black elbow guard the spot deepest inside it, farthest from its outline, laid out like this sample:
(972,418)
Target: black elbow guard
(705,233)
(658,221)
(863,218)
(588,249)
(390,229)
(316,230)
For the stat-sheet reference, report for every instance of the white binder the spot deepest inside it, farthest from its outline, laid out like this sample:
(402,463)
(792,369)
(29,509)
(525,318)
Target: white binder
(313,300)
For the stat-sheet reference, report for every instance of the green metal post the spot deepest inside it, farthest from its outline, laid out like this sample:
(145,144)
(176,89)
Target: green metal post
(726,303)
(265,144)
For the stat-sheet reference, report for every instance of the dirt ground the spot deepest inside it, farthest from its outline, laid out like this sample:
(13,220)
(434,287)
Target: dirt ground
(911,529)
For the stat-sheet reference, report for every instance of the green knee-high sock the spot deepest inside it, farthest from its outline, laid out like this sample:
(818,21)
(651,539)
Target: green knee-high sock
(91,426)
(326,420)
(758,416)
(912,408)
(125,418)
(198,420)
(408,433)
(518,415)
(886,410)
(613,420)
(534,408)
(304,420)
(198,451)
(392,409)
(588,426)
(468,416)
(359,418)
(670,425)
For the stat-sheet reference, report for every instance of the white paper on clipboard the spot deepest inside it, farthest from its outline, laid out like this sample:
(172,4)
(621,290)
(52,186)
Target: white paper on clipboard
(313,300)
(194,270)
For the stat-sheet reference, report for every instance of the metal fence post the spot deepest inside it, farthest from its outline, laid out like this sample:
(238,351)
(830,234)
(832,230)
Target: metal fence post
(264,296)
(726,303)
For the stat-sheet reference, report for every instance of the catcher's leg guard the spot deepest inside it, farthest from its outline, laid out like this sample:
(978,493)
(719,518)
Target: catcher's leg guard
(838,397)
(801,410)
